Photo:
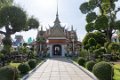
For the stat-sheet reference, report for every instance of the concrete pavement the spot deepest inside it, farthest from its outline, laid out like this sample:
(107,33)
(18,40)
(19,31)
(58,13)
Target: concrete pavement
(59,69)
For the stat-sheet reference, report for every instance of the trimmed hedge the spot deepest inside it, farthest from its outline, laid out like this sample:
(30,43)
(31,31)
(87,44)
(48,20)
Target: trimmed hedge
(81,61)
(32,63)
(103,71)
(8,73)
(89,65)
(24,68)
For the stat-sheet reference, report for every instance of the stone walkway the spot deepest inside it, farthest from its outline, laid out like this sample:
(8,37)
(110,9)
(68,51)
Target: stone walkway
(59,69)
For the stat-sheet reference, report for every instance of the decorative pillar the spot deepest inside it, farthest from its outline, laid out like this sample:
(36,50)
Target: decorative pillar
(63,51)
(50,50)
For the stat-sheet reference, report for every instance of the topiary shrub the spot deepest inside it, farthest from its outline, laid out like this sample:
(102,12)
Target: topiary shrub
(89,65)
(99,52)
(32,63)
(103,71)
(83,53)
(115,58)
(23,68)
(8,73)
(81,61)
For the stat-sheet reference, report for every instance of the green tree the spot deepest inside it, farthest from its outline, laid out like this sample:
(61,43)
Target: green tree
(99,52)
(4,3)
(92,42)
(33,23)
(104,22)
(87,37)
(14,19)
(106,47)
(114,47)
(98,36)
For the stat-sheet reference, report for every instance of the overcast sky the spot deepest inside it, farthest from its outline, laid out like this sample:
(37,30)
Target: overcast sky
(45,12)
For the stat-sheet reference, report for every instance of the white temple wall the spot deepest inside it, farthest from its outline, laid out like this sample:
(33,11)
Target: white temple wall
(50,51)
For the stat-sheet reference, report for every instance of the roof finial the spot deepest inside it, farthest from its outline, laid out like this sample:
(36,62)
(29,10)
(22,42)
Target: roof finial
(57,9)
(72,28)
(57,21)
(41,27)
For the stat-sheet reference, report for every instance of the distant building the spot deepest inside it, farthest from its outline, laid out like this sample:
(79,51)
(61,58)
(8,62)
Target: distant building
(30,40)
(18,40)
(57,41)
(116,37)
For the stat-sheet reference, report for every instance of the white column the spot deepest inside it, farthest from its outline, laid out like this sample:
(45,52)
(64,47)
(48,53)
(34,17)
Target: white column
(63,51)
(50,50)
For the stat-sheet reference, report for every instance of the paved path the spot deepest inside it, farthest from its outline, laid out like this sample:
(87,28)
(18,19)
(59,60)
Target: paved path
(58,69)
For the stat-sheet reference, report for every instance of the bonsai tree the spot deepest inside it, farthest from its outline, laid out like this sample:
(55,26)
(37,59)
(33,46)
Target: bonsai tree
(14,19)
(106,21)
(92,42)
(114,47)
(98,53)
(98,36)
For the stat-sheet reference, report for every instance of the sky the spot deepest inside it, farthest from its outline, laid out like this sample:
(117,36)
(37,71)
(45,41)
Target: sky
(45,12)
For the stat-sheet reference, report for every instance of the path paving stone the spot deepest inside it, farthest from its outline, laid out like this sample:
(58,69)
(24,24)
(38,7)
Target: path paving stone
(59,69)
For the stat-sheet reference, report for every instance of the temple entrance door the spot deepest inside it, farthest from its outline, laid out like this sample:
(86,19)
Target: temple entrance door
(57,50)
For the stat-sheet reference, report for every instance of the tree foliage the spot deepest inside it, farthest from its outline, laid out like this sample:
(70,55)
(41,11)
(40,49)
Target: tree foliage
(99,52)
(92,4)
(98,36)
(14,19)
(85,8)
(101,22)
(117,24)
(33,23)
(114,47)
(4,3)
(87,37)
(105,21)
(90,27)
(91,17)
(92,42)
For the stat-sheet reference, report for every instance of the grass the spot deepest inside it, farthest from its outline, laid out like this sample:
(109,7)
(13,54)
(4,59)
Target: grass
(116,72)
(15,64)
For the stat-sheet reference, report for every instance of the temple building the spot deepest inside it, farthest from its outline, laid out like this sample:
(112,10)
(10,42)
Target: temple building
(58,41)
